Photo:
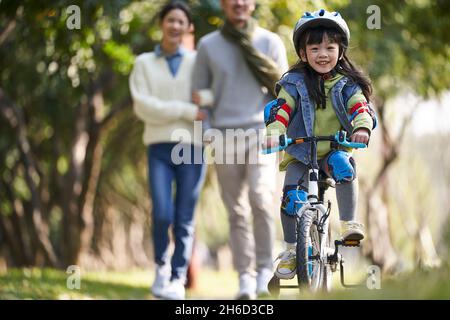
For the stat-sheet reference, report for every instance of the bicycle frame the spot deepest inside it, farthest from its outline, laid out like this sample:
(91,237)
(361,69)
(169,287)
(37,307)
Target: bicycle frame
(315,205)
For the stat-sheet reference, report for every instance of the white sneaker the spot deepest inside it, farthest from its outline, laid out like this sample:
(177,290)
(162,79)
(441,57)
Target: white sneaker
(262,281)
(175,290)
(352,230)
(287,267)
(247,287)
(162,277)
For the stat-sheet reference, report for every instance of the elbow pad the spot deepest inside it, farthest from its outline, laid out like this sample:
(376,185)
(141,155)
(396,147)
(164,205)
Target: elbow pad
(271,110)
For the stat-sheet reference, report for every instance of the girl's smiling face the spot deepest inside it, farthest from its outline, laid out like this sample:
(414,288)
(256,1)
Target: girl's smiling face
(323,56)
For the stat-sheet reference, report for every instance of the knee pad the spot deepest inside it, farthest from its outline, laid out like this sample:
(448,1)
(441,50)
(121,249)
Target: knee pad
(341,166)
(293,199)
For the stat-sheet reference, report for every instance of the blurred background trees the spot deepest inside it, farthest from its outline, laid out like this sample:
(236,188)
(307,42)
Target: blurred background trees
(73,178)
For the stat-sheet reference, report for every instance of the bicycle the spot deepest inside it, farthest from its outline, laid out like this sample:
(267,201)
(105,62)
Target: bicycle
(316,259)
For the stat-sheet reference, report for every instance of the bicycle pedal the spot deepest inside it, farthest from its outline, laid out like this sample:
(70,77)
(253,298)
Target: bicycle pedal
(351,243)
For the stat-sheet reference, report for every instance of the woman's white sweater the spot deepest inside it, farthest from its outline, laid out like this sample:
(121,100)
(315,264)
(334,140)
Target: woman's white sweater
(162,100)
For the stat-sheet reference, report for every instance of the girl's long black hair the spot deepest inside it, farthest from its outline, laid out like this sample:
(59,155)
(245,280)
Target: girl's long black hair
(344,66)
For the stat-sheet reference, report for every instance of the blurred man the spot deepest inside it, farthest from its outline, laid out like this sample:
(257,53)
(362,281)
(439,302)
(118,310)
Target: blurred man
(241,63)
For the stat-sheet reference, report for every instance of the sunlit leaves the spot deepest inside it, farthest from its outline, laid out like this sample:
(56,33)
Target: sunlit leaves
(409,51)
(121,55)
(21,188)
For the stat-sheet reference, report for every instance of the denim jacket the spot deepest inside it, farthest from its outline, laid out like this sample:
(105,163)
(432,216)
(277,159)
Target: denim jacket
(302,120)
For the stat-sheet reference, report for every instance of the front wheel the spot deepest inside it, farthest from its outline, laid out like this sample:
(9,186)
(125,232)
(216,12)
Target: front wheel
(312,272)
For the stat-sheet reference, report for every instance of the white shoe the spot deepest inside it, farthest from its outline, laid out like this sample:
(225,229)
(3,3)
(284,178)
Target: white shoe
(175,290)
(262,281)
(287,267)
(247,287)
(162,277)
(352,230)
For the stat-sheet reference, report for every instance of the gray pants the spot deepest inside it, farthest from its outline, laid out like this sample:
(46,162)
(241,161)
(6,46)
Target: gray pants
(346,195)
(249,188)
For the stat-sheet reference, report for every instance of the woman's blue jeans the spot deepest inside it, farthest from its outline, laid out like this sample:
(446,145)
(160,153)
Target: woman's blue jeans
(173,207)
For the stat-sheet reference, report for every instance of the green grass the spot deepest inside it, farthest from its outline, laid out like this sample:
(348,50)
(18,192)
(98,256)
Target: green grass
(416,285)
(134,284)
(52,284)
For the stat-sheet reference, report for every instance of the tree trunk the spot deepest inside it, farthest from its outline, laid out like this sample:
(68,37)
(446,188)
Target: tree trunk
(72,223)
(86,159)
(16,120)
(17,231)
(379,248)
(93,168)
(13,243)
(85,168)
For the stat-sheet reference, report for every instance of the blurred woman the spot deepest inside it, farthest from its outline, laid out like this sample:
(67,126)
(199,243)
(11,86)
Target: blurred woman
(160,85)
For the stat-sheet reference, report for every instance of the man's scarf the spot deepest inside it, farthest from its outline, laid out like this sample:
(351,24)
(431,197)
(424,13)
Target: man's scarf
(265,70)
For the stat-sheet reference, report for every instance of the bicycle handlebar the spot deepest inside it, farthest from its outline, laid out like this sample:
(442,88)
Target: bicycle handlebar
(340,137)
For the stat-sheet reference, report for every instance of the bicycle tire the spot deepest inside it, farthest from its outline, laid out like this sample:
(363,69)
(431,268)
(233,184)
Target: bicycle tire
(310,271)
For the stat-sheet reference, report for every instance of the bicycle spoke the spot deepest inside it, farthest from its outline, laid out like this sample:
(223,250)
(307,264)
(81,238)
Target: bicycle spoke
(314,259)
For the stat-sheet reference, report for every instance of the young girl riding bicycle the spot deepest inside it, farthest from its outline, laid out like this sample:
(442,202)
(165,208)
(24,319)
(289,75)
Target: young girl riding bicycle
(320,95)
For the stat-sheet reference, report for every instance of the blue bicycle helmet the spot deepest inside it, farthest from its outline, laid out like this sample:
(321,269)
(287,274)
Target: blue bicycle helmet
(320,18)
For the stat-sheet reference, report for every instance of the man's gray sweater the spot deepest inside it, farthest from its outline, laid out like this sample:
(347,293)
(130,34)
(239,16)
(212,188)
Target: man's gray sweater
(239,99)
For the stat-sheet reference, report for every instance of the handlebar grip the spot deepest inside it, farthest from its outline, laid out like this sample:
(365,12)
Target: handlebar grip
(272,150)
(354,145)
(341,138)
(284,142)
